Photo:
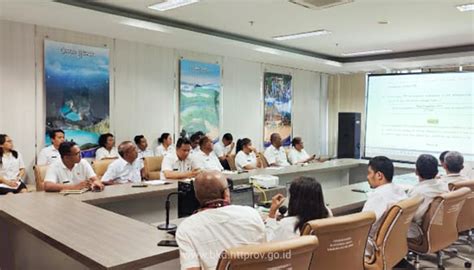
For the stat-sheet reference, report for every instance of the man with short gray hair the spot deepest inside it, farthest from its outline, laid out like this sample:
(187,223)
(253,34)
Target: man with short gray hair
(453,164)
(217,225)
(127,168)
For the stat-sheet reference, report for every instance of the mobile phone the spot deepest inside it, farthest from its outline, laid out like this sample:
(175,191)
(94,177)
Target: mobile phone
(168,243)
(139,185)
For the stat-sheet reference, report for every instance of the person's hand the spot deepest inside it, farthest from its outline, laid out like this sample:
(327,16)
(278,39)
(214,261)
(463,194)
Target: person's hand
(97,185)
(277,201)
(83,184)
(232,145)
(11,183)
(195,172)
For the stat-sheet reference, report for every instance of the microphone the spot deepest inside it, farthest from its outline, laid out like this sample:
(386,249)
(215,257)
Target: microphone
(282,210)
(167,226)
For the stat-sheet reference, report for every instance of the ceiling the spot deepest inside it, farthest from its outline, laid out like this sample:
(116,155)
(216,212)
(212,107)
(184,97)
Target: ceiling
(223,28)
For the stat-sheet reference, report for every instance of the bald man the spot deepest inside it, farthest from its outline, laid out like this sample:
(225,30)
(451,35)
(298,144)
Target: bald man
(217,225)
(127,168)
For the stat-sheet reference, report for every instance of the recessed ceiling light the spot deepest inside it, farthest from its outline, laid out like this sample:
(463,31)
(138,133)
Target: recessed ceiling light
(170,4)
(382,22)
(267,50)
(303,35)
(145,25)
(466,7)
(367,52)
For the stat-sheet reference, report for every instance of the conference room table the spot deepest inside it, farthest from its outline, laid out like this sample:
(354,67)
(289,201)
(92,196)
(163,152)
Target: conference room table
(48,230)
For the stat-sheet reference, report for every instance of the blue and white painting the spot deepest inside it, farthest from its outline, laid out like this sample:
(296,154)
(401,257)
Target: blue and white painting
(199,99)
(77,92)
(277,95)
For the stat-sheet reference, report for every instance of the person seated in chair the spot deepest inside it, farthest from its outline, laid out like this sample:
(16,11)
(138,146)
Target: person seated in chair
(205,158)
(217,225)
(179,164)
(71,171)
(223,149)
(127,168)
(12,168)
(453,165)
(379,175)
(428,188)
(246,158)
(297,154)
(50,153)
(306,204)
(275,153)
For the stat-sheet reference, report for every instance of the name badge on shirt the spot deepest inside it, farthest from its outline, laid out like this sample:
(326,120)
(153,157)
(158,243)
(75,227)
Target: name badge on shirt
(66,182)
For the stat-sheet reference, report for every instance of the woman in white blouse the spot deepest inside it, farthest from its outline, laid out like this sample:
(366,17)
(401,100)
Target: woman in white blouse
(297,154)
(165,145)
(306,203)
(107,148)
(12,168)
(246,159)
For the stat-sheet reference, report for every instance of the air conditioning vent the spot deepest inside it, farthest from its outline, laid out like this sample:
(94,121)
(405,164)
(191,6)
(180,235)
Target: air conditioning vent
(320,4)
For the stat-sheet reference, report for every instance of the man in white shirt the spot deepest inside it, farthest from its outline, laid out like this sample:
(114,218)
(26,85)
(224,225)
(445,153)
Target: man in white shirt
(223,149)
(453,165)
(205,159)
(194,139)
(127,168)
(385,194)
(142,145)
(179,165)
(50,153)
(297,154)
(429,187)
(217,226)
(275,154)
(70,172)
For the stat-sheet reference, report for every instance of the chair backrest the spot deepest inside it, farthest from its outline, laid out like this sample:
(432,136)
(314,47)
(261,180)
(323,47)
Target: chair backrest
(100,166)
(152,167)
(231,160)
(466,217)
(40,173)
(290,254)
(439,222)
(263,160)
(390,240)
(342,240)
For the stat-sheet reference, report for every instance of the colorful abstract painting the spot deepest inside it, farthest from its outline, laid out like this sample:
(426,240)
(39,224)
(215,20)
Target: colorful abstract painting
(76,80)
(277,97)
(199,99)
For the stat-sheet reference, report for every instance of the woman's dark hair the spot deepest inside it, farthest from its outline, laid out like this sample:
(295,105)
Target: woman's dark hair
(3,138)
(306,201)
(103,139)
(163,137)
(241,143)
(295,141)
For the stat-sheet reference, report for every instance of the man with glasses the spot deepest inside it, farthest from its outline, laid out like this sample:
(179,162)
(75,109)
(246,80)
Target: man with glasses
(71,172)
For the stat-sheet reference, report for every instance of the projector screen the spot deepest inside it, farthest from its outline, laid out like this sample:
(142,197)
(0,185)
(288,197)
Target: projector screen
(426,113)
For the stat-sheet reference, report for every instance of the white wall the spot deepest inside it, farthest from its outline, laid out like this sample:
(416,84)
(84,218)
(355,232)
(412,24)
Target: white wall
(144,95)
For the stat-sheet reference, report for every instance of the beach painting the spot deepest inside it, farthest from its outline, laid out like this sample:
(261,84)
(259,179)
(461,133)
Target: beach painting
(76,80)
(277,92)
(199,98)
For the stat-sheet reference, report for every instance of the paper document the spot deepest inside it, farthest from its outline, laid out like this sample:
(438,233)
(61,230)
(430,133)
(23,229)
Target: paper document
(155,182)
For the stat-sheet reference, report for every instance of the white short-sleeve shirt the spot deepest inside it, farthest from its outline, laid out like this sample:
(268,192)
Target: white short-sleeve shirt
(206,162)
(120,171)
(173,163)
(102,153)
(220,150)
(11,166)
(161,151)
(379,201)
(295,156)
(277,156)
(144,154)
(60,174)
(203,236)
(242,160)
(48,155)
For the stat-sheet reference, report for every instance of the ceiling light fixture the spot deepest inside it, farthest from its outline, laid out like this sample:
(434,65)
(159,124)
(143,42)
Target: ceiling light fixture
(171,4)
(145,25)
(303,35)
(367,52)
(466,7)
(267,50)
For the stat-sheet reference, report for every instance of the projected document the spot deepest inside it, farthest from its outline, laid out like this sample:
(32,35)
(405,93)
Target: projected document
(408,115)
